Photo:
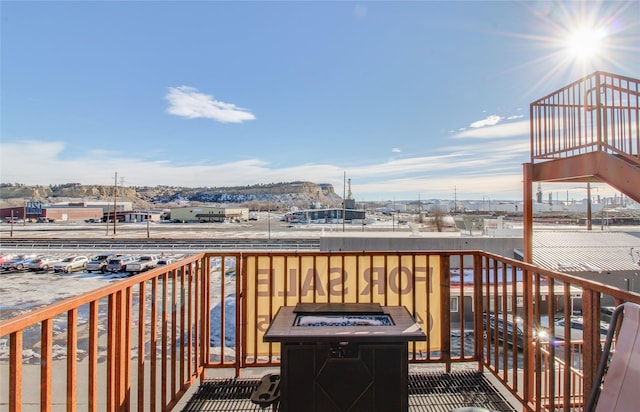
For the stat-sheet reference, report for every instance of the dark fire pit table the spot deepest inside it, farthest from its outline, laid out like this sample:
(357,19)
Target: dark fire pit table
(343,356)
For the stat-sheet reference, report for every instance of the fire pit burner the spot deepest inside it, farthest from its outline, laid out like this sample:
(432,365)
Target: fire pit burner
(342,320)
(343,356)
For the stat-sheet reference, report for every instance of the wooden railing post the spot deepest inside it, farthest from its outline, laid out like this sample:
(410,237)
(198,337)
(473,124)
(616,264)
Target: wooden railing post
(591,336)
(445,310)
(527,218)
(528,378)
(72,343)
(15,372)
(46,366)
(478,310)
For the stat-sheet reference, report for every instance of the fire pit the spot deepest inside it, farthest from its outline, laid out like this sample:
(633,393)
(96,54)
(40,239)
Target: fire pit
(343,356)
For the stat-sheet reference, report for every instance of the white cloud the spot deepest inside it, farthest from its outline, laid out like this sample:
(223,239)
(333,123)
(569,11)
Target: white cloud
(500,131)
(396,150)
(503,186)
(519,116)
(489,121)
(472,169)
(511,147)
(188,102)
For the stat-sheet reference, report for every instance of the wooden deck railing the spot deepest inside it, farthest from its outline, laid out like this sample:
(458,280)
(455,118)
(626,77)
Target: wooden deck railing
(135,344)
(140,343)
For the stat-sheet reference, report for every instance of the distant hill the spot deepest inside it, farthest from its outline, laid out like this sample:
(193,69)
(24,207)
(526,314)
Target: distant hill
(274,196)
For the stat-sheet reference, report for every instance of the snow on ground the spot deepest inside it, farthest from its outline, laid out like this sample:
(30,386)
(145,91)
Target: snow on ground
(23,292)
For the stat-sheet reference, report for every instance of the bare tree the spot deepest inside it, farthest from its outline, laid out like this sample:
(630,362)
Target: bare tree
(438,218)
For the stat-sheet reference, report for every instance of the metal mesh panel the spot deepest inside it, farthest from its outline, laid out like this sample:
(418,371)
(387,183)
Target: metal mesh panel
(439,391)
(428,391)
(224,395)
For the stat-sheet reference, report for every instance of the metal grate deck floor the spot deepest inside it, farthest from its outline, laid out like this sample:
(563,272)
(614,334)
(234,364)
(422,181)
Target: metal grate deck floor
(432,391)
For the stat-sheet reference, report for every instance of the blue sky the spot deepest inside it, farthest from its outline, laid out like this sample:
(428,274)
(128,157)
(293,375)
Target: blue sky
(409,99)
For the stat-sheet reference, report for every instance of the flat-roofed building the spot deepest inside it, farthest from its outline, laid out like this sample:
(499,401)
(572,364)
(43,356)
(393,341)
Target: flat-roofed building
(209,214)
(333,215)
(57,213)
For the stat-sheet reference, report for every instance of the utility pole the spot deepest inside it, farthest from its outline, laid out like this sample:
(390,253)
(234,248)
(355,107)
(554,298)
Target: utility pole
(344,198)
(589,224)
(393,216)
(115,204)
(364,216)
(455,200)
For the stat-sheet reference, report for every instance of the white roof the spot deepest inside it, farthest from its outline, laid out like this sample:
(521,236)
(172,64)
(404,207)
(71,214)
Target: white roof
(586,251)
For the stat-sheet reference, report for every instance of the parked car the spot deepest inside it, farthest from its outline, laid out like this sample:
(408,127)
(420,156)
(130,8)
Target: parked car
(165,261)
(42,263)
(19,262)
(71,264)
(45,220)
(14,220)
(119,264)
(576,326)
(99,263)
(145,262)
(513,325)
(5,258)
(606,313)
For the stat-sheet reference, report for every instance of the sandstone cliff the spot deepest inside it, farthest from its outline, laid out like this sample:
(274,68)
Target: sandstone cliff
(273,195)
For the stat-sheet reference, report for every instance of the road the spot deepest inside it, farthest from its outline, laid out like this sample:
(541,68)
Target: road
(156,236)
(268,232)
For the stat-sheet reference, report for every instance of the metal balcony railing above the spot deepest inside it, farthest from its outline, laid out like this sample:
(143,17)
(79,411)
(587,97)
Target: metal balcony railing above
(598,113)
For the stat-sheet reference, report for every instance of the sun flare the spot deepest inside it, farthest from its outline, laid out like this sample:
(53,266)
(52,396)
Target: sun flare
(569,40)
(585,43)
